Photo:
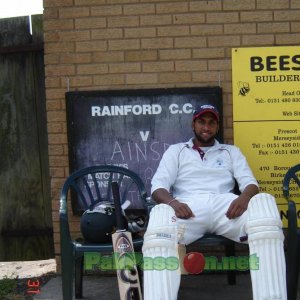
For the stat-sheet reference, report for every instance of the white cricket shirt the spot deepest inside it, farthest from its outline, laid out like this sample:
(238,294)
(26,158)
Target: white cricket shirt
(182,171)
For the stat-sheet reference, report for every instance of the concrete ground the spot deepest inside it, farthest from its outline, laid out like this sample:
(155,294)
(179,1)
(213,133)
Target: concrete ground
(204,287)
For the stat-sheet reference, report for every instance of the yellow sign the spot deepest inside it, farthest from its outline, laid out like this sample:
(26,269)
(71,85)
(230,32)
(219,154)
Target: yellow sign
(266,114)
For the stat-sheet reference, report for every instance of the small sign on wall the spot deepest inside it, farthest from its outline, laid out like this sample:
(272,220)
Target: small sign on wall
(132,128)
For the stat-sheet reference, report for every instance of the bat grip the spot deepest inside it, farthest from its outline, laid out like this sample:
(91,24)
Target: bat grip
(119,216)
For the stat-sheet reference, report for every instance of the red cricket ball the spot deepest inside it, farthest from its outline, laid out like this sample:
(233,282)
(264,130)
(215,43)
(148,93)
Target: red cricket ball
(194,262)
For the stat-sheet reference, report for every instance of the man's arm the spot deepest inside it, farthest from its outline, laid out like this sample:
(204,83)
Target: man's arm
(182,210)
(240,204)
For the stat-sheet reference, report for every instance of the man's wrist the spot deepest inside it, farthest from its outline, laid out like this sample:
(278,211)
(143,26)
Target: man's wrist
(246,196)
(171,201)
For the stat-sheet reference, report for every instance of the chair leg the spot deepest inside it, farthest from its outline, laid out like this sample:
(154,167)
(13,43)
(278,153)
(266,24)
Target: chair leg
(231,275)
(67,267)
(78,276)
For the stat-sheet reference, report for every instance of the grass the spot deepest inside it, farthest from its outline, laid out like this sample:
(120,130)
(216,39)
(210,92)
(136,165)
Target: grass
(8,287)
(19,288)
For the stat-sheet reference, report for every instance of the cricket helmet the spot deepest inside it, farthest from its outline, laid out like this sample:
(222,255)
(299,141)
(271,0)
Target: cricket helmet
(98,224)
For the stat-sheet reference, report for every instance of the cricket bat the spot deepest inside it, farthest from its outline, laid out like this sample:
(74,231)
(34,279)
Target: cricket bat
(127,273)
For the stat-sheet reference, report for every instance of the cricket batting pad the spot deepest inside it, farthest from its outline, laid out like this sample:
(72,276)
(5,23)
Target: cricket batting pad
(161,242)
(265,239)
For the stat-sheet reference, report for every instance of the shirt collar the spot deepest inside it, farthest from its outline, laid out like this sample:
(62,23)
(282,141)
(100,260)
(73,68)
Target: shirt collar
(191,144)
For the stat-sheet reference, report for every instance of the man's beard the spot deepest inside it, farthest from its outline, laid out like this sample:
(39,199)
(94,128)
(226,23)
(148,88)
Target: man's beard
(208,142)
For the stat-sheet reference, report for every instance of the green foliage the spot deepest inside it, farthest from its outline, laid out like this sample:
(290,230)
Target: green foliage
(7,286)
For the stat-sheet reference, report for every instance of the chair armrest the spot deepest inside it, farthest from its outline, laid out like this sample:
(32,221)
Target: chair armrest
(292,234)
(292,218)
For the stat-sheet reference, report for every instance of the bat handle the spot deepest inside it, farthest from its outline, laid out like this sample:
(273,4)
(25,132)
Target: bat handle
(119,216)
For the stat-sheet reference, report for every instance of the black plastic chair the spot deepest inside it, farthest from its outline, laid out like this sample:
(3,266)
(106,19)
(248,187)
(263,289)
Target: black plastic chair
(85,184)
(293,233)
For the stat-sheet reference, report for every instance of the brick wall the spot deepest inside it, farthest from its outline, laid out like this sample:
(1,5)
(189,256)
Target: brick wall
(130,44)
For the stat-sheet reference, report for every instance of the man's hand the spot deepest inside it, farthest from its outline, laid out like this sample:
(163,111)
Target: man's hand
(182,210)
(237,207)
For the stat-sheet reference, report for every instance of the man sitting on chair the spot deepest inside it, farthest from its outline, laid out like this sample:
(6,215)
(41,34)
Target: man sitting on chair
(193,187)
